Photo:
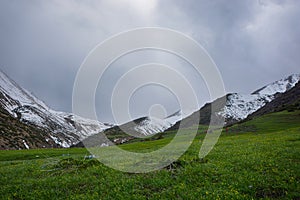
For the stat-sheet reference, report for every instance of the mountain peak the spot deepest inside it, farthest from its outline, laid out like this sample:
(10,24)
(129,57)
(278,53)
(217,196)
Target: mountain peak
(14,93)
(280,86)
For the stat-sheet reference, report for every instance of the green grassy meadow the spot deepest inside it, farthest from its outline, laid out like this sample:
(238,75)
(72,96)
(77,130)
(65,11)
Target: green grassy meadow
(252,160)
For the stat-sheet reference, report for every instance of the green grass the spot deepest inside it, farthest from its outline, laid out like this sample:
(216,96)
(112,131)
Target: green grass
(260,162)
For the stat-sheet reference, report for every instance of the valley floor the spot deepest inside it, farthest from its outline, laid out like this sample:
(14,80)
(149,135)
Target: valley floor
(255,159)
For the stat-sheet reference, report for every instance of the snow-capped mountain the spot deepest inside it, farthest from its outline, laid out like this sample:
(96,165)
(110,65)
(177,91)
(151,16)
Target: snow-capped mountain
(239,106)
(290,101)
(138,128)
(280,86)
(64,129)
(151,125)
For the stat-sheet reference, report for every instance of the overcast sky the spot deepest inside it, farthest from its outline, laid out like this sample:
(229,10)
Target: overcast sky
(43,43)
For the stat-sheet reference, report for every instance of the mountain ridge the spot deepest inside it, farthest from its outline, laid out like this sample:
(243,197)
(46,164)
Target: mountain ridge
(239,106)
(61,129)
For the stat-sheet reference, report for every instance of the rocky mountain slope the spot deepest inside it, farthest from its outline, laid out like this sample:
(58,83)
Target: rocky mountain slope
(64,129)
(17,135)
(239,106)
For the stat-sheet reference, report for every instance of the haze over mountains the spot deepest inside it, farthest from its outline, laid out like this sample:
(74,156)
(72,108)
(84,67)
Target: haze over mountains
(27,122)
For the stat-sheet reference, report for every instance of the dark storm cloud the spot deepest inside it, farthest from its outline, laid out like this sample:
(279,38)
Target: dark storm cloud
(252,42)
(43,43)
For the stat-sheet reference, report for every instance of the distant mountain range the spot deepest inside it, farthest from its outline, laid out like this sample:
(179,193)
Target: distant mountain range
(138,128)
(237,108)
(27,122)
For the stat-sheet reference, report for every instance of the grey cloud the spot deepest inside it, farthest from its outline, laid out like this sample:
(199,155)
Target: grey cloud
(43,43)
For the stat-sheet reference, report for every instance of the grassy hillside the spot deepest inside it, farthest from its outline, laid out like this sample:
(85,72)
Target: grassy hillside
(255,159)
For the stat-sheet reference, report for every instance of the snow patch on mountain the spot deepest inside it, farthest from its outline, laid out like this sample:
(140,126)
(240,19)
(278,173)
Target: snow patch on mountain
(25,144)
(152,125)
(239,106)
(84,127)
(280,86)
(59,141)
